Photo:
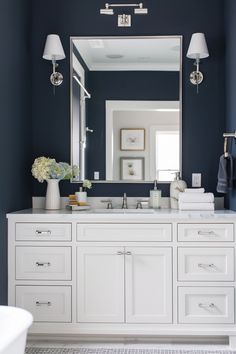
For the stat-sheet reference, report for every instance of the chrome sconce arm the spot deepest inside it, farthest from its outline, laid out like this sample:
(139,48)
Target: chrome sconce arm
(196,77)
(56,78)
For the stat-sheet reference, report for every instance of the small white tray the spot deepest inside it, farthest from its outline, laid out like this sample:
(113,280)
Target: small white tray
(78,207)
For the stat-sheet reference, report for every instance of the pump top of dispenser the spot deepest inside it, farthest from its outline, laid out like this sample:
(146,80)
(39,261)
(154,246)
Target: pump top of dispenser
(155,185)
(177,176)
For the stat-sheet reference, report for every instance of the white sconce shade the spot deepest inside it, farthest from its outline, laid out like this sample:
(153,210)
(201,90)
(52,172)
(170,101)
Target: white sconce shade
(53,49)
(198,47)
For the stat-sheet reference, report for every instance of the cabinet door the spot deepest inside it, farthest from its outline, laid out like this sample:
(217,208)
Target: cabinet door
(100,284)
(148,285)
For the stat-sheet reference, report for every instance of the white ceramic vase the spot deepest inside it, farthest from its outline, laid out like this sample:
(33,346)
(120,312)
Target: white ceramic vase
(53,200)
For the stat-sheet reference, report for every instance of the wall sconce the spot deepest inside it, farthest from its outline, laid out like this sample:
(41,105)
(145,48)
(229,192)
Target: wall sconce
(197,50)
(124,20)
(54,51)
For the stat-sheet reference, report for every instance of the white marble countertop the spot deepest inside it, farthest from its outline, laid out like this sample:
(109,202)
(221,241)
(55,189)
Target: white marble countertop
(119,215)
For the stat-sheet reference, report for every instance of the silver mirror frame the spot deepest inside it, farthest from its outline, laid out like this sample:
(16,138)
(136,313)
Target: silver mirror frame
(180,37)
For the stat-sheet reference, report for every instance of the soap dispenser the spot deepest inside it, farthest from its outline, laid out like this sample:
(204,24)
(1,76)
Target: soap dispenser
(155,197)
(176,187)
(81,197)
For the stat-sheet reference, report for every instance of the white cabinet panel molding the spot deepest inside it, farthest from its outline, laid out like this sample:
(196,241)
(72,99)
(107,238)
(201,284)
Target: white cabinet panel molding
(148,285)
(100,284)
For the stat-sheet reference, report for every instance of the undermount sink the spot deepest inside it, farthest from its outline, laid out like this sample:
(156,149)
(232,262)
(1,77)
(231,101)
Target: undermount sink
(139,211)
(123,211)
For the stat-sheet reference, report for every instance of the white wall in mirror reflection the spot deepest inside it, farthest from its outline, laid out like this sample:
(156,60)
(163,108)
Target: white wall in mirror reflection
(160,121)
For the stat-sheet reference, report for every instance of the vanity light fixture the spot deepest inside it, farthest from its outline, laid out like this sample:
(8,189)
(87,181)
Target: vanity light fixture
(124,20)
(54,51)
(107,10)
(197,50)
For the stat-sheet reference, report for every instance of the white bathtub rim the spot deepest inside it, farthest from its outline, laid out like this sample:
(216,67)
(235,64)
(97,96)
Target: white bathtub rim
(21,321)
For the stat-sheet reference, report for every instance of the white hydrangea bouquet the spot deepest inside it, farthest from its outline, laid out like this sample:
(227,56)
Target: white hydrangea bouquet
(47,169)
(87,184)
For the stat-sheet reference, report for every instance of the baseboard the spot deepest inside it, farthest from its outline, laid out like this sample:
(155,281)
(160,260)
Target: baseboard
(212,340)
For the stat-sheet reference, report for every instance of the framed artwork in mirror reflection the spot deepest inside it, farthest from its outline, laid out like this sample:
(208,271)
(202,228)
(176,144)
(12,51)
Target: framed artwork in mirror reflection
(132,139)
(132,168)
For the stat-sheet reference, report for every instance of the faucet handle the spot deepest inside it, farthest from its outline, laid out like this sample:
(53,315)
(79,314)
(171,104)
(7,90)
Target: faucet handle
(140,203)
(108,202)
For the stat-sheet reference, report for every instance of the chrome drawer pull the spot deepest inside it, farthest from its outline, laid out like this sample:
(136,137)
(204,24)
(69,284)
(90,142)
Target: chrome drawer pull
(120,253)
(40,233)
(201,265)
(40,303)
(206,233)
(210,306)
(43,264)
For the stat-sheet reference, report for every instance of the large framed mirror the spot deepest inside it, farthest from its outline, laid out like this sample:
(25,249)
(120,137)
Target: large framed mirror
(126,108)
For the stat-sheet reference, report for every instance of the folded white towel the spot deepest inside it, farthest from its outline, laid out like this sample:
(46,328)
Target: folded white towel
(196,206)
(194,190)
(196,197)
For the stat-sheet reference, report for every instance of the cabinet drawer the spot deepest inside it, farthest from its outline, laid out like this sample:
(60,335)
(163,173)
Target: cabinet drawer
(206,264)
(206,305)
(124,232)
(43,263)
(206,232)
(46,303)
(43,232)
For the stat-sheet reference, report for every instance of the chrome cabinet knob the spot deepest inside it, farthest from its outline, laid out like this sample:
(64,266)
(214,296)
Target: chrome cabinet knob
(120,253)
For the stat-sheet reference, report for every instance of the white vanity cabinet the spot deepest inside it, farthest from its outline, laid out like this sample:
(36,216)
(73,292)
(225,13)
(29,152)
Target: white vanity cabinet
(160,274)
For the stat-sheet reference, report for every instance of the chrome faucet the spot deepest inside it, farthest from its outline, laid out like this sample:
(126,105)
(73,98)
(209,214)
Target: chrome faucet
(124,202)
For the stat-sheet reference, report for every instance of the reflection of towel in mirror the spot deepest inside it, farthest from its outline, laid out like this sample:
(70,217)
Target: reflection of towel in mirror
(225,174)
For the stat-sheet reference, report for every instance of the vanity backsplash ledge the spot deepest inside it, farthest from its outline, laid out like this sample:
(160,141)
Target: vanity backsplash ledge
(96,202)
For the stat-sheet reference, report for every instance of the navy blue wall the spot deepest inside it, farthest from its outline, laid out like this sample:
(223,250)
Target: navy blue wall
(203,118)
(230,21)
(121,85)
(15,119)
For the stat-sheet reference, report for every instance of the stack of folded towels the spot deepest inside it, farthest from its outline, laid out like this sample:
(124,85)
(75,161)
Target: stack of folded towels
(196,199)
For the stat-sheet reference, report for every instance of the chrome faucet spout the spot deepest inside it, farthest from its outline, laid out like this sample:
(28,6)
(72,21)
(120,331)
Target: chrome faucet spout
(124,202)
